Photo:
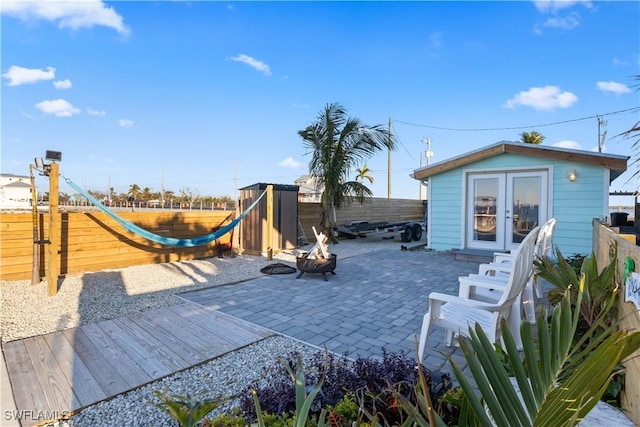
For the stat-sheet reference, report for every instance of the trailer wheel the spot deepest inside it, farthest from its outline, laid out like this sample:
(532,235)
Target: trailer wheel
(417,232)
(407,234)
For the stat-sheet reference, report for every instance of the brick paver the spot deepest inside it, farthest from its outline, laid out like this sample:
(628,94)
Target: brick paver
(375,300)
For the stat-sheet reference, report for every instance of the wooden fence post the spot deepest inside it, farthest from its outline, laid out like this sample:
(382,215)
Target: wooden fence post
(55,230)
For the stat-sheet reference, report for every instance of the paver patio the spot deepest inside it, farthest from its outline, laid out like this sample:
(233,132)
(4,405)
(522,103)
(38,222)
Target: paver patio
(375,300)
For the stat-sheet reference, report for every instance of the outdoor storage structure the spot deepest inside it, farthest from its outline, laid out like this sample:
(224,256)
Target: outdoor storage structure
(488,199)
(254,233)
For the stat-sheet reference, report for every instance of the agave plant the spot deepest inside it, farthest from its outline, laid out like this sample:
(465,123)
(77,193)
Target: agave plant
(187,409)
(559,382)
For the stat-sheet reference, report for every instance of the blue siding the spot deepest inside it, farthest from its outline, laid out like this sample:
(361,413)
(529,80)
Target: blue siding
(573,204)
(446,210)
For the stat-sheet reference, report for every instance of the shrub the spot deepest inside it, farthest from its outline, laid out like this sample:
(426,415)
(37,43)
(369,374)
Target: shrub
(373,381)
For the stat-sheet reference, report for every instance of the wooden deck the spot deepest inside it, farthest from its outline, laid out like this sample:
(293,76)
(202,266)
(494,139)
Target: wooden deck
(62,372)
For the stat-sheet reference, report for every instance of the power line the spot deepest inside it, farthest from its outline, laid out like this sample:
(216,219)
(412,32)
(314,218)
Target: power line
(517,127)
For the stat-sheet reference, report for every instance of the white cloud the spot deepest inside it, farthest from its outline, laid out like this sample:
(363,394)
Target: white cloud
(546,6)
(564,23)
(619,63)
(572,145)
(58,108)
(62,84)
(290,163)
(19,75)
(125,123)
(542,98)
(68,14)
(614,87)
(96,112)
(253,63)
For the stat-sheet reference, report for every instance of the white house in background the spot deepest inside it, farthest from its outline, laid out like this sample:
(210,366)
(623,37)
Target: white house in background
(15,191)
(309,189)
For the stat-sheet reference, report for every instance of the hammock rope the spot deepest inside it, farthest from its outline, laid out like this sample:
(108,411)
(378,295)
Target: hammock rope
(163,240)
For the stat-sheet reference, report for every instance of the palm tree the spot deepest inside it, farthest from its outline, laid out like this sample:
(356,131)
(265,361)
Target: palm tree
(147,194)
(634,133)
(532,137)
(338,143)
(364,173)
(134,191)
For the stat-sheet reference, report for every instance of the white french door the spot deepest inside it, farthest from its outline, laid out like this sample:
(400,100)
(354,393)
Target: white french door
(504,207)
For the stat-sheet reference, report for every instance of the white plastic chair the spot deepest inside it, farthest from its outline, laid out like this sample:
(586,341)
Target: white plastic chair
(498,270)
(457,313)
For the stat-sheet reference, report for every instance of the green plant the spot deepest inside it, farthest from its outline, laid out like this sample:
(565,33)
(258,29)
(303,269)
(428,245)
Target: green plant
(559,381)
(337,144)
(187,410)
(347,407)
(228,420)
(598,304)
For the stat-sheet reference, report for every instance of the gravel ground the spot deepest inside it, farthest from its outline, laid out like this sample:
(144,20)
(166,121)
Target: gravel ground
(96,296)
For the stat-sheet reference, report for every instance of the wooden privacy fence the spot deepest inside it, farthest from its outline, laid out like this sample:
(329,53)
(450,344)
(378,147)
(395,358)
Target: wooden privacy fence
(93,241)
(372,210)
(603,239)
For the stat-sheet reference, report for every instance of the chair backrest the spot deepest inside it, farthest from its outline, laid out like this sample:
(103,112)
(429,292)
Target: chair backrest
(521,270)
(545,237)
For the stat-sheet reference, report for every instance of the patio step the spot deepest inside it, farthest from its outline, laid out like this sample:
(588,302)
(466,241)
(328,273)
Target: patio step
(474,255)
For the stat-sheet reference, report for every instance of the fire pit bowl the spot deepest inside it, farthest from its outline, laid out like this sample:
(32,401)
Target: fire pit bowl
(316,265)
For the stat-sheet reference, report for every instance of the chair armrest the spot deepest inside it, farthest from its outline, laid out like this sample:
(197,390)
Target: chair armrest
(502,257)
(468,283)
(438,298)
(493,267)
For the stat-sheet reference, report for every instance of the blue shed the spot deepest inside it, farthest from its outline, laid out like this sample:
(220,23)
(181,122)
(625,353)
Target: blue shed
(489,199)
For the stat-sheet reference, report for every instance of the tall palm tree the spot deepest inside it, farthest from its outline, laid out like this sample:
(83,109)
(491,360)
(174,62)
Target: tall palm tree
(634,133)
(338,143)
(364,173)
(532,137)
(134,191)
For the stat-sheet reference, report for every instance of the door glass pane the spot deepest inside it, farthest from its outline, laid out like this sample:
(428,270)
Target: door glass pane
(485,193)
(526,206)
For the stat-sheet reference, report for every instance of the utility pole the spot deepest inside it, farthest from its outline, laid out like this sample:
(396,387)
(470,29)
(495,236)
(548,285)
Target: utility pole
(389,163)
(601,135)
(428,154)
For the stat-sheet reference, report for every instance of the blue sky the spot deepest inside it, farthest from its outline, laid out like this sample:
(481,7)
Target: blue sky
(210,96)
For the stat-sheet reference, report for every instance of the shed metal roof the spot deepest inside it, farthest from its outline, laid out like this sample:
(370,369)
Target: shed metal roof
(616,163)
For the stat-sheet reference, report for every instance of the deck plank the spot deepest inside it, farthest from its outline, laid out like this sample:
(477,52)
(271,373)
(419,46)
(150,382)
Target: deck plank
(139,353)
(71,369)
(54,384)
(202,323)
(133,374)
(220,325)
(111,381)
(24,382)
(84,384)
(224,320)
(158,348)
(185,351)
(182,329)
